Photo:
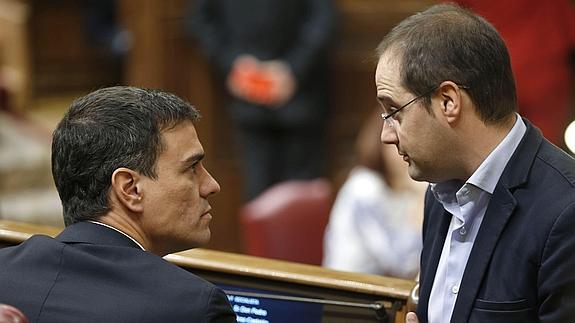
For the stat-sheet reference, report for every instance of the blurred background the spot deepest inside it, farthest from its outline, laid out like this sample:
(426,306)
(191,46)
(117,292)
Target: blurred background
(52,51)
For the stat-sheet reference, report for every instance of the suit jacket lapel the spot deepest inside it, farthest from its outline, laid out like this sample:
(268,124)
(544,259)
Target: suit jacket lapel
(438,238)
(497,215)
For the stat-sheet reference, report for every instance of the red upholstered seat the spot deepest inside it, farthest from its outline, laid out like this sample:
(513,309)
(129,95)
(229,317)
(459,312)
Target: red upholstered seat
(287,221)
(10,314)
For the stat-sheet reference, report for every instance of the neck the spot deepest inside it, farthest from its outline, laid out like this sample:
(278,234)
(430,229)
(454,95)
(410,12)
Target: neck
(399,182)
(480,139)
(125,224)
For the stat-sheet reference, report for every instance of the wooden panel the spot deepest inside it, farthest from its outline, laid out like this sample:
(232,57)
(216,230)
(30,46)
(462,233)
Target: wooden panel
(145,62)
(63,58)
(14,52)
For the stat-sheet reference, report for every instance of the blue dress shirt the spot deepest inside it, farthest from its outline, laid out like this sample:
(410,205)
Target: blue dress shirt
(467,203)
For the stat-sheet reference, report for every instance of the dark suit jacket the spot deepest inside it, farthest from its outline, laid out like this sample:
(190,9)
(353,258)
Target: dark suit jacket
(295,31)
(91,273)
(522,265)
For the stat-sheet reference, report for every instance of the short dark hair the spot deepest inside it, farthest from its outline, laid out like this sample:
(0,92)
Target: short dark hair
(107,129)
(447,42)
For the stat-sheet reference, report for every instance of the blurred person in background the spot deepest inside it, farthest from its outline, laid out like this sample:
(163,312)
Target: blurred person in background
(272,56)
(375,223)
(103,29)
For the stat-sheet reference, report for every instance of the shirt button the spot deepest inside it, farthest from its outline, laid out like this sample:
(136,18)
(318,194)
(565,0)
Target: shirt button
(455,289)
(462,231)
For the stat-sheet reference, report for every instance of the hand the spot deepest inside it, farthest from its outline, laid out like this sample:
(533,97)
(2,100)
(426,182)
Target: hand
(268,83)
(239,81)
(11,314)
(411,317)
(283,82)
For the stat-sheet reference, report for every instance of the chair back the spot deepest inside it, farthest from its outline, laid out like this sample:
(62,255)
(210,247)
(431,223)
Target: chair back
(287,221)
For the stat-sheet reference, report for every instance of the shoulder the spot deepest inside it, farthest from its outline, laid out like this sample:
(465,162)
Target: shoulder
(191,295)
(363,181)
(550,185)
(37,245)
(163,274)
(38,254)
(546,193)
(555,162)
(110,275)
(169,293)
(363,190)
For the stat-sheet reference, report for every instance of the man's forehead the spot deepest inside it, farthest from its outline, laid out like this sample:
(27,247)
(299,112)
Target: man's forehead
(185,128)
(182,138)
(387,66)
(387,78)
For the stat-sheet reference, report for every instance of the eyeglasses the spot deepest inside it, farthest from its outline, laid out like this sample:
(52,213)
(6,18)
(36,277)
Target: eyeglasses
(388,118)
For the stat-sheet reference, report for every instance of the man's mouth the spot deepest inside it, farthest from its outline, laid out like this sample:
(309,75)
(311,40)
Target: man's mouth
(207,213)
(404,156)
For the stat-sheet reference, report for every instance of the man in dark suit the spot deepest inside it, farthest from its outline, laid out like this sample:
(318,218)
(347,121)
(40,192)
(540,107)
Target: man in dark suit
(499,225)
(272,56)
(127,163)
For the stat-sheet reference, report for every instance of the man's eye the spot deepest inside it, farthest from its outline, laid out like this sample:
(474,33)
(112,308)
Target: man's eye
(388,110)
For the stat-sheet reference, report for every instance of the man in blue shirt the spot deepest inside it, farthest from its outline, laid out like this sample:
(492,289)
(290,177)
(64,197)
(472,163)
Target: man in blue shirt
(499,226)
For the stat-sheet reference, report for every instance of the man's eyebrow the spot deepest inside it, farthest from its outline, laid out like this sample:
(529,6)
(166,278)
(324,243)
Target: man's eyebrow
(193,159)
(382,98)
(385,101)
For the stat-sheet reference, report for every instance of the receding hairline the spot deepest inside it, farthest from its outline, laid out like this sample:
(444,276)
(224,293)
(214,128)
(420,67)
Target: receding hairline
(444,15)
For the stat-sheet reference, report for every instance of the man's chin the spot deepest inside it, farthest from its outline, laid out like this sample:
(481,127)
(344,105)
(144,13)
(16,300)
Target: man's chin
(203,239)
(416,174)
(196,240)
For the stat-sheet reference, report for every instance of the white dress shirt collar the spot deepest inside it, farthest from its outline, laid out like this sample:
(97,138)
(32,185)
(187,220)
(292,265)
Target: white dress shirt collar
(120,231)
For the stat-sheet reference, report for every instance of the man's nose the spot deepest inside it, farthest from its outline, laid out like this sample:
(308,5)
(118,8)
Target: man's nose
(388,134)
(210,186)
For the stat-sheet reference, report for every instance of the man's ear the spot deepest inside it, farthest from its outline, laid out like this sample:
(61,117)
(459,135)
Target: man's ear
(127,190)
(450,95)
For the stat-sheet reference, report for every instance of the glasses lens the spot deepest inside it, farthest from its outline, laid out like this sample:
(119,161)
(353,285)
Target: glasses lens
(389,122)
